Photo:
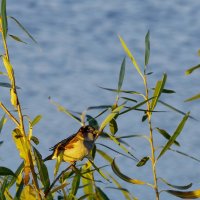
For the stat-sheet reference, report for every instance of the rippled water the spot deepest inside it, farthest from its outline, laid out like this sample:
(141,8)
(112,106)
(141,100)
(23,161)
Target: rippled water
(79,49)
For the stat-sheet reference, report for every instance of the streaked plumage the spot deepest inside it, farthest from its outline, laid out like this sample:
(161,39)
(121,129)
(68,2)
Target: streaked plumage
(75,147)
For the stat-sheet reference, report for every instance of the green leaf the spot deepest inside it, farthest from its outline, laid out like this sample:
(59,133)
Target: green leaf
(110,117)
(147,48)
(129,54)
(195,97)
(195,194)
(64,110)
(105,155)
(175,109)
(7,85)
(42,169)
(100,195)
(189,71)
(75,185)
(2,122)
(4,18)
(14,37)
(35,140)
(124,177)
(166,135)
(185,187)
(4,171)
(23,28)
(175,135)
(158,90)
(142,162)
(113,126)
(129,99)
(36,120)
(121,75)
(92,122)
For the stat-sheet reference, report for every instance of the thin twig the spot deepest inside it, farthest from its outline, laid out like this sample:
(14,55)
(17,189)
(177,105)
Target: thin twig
(9,114)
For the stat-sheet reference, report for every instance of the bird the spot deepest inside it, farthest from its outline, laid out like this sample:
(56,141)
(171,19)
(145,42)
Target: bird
(76,147)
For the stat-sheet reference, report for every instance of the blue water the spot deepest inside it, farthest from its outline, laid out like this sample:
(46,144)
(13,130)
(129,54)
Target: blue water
(79,49)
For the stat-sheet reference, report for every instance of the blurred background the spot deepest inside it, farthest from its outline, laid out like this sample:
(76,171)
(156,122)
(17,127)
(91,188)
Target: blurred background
(78,50)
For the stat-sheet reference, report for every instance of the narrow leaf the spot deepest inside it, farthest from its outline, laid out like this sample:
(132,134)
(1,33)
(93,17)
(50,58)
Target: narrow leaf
(2,122)
(158,90)
(142,162)
(23,28)
(189,71)
(36,120)
(185,187)
(7,85)
(185,195)
(113,126)
(124,177)
(4,18)
(14,37)
(195,97)
(121,74)
(110,117)
(147,48)
(166,135)
(100,195)
(75,184)
(129,54)
(4,171)
(175,135)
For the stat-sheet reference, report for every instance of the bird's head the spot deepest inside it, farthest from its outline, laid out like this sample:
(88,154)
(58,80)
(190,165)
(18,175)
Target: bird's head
(89,133)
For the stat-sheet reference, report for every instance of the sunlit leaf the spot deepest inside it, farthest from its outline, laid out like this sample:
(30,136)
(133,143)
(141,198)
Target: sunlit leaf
(185,187)
(4,18)
(42,169)
(147,48)
(121,75)
(175,135)
(4,171)
(124,177)
(129,54)
(189,71)
(166,135)
(2,122)
(23,28)
(9,70)
(14,37)
(13,97)
(195,97)
(185,195)
(158,90)
(113,126)
(110,117)
(59,159)
(100,195)
(29,193)
(36,120)
(142,162)
(105,156)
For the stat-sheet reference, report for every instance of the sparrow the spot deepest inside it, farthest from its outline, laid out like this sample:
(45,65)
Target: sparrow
(75,147)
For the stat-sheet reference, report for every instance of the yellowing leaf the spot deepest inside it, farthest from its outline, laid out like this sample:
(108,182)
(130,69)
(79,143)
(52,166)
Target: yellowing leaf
(185,195)
(28,193)
(9,70)
(129,54)
(124,177)
(13,97)
(17,137)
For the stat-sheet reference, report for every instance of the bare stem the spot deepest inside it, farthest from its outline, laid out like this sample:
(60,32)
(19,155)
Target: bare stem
(151,139)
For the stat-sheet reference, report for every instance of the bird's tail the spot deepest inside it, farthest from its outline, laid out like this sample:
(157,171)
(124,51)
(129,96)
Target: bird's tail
(48,158)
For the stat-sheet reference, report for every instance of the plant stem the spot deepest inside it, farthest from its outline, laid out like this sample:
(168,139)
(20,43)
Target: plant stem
(153,159)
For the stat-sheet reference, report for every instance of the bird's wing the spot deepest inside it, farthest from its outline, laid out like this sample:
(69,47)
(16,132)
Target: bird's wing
(61,145)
